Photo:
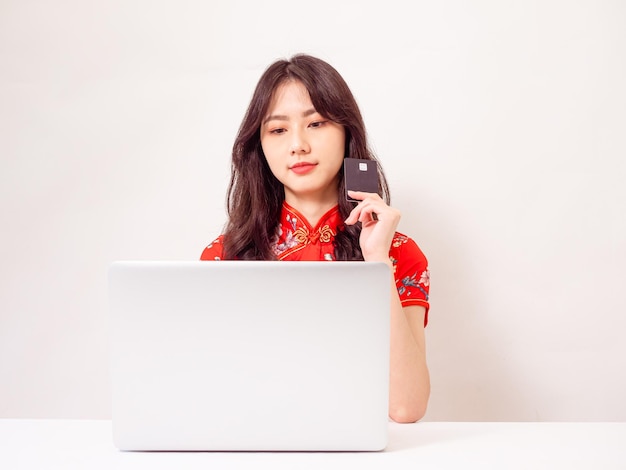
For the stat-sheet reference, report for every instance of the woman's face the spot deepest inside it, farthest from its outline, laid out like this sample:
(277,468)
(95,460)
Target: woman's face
(303,149)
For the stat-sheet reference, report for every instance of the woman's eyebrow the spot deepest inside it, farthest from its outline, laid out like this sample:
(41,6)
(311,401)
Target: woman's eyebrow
(283,117)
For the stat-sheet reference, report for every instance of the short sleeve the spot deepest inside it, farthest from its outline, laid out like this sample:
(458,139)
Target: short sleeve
(213,251)
(410,272)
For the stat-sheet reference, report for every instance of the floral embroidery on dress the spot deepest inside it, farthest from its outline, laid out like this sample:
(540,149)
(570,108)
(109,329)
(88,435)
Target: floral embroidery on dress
(394,264)
(210,245)
(408,282)
(399,240)
(290,240)
(292,232)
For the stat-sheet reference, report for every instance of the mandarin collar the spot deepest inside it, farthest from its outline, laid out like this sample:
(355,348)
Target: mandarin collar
(330,218)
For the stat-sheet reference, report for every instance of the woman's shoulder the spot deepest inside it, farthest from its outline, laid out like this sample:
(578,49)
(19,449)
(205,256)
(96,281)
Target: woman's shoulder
(403,246)
(213,251)
(410,264)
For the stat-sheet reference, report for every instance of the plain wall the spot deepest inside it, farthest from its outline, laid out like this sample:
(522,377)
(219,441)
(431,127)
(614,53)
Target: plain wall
(500,125)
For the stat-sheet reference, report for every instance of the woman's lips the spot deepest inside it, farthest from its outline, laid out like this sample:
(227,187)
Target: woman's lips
(302,168)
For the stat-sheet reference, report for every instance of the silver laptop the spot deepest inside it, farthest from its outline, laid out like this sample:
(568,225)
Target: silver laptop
(249,355)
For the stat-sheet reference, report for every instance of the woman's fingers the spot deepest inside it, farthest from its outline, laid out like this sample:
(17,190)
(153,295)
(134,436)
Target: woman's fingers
(366,210)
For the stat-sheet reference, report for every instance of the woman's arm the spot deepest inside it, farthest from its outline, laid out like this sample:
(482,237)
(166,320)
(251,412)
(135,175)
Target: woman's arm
(409,386)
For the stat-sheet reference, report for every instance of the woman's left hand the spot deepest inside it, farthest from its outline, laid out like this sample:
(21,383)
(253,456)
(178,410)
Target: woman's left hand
(379,222)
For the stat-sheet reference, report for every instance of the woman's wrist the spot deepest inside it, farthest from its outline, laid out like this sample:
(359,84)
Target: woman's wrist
(376,257)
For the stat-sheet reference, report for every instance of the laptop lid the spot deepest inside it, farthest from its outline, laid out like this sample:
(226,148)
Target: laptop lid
(249,355)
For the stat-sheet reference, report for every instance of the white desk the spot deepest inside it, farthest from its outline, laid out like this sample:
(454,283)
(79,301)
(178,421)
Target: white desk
(74,444)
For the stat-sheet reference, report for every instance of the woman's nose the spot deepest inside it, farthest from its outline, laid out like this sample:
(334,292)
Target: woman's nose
(299,143)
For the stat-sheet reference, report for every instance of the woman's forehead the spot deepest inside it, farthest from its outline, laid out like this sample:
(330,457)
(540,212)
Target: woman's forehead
(289,95)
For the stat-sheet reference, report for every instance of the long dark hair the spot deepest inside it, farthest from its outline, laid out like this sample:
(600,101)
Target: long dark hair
(255,197)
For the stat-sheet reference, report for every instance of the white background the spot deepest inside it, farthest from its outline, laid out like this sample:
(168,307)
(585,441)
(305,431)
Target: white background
(500,124)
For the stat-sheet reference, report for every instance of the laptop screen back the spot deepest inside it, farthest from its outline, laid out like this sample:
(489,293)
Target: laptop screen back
(249,355)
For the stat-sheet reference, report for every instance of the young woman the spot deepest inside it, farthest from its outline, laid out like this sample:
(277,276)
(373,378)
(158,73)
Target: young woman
(286,201)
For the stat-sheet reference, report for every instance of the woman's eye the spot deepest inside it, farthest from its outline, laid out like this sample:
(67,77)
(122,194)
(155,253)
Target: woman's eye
(279,130)
(317,123)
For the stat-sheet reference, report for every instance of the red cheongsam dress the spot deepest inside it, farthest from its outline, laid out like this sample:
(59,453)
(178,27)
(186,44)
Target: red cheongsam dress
(297,240)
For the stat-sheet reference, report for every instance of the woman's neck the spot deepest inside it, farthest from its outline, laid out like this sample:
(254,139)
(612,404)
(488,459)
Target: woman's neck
(311,210)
